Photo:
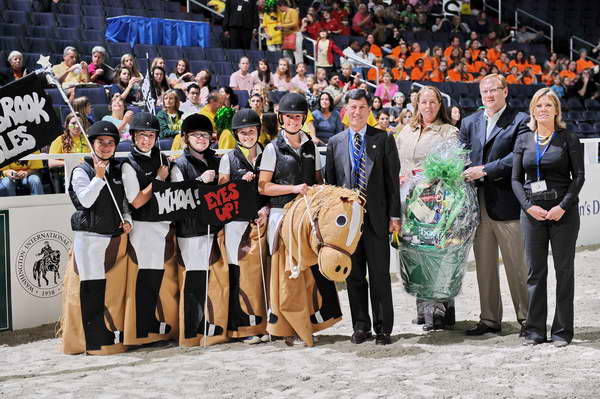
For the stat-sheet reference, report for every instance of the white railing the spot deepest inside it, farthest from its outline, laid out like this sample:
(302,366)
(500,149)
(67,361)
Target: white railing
(207,8)
(574,50)
(445,95)
(519,11)
(497,8)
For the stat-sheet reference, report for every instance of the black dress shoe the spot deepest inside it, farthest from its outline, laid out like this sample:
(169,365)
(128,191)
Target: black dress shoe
(523,332)
(481,329)
(383,339)
(533,341)
(360,336)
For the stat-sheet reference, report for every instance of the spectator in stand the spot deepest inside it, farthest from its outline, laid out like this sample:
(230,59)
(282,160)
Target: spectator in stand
(346,75)
(299,80)
(399,72)
(522,36)
(373,47)
(376,107)
(290,26)
(23,174)
(96,70)
(331,26)
(269,128)
(529,77)
(440,74)
(262,73)
(454,44)
(475,48)
(158,85)
(397,106)
(520,62)
(126,86)
(570,72)
(230,99)
(321,78)
(417,73)
(382,26)
(386,90)
(455,116)
(408,16)
(583,63)
(415,54)
(535,67)
(169,117)
(414,95)
(213,103)
(433,62)
(69,73)
(128,61)
(312,92)
(203,79)
(421,24)
(282,78)
(16,68)
(503,63)
(257,103)
(399,52)
(336,89)
(551,63)
(586,87)
(181,75)
(192,105)
(403,120)
(274,36)
(515,77)
(326,49)
(327,119)
(240,21)
(383,121)
(156,61)
(338,12)
(71,141)
(365,55)
(557,86)
(83,107)
(473,66)
(458,26)
(351,54)
(311,26)
(460,74)
(376,74)
(481,25)
(455,57)
(119,116)
(242,79)
(483,72)
(362,22)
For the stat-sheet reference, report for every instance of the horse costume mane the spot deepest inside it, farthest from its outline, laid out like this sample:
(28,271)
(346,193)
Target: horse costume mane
(323,227)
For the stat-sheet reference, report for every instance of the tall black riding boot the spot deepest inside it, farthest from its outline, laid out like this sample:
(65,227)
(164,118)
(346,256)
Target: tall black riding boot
(91,297)
(147,288)
(236,316)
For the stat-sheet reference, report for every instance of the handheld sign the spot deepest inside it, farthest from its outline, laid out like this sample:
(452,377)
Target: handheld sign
(27,119)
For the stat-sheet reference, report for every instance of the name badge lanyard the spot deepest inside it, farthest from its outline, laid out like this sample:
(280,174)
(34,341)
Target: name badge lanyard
(539,154)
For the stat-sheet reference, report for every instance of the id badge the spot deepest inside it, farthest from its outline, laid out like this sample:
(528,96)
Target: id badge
(239,8)
(538,186)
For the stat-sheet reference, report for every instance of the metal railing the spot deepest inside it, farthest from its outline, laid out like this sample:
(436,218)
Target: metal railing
(497,8)
(519,11)
(573,50)
(207,8)
(445,95)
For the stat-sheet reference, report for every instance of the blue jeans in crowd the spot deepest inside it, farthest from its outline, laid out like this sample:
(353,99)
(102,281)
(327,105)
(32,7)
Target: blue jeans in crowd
(8,187)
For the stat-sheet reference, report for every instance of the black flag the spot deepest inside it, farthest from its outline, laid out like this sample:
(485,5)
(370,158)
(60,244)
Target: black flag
(27,119)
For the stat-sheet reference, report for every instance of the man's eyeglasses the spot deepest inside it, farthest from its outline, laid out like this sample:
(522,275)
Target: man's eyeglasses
(491,91)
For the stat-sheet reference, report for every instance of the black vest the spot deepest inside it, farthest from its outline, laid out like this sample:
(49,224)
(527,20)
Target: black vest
(145,169)
(191,168)
(292,168)
(101,217)
(239,166)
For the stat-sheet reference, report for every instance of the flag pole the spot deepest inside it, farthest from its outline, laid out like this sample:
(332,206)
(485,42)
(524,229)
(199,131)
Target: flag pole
(209,245)
(52,79)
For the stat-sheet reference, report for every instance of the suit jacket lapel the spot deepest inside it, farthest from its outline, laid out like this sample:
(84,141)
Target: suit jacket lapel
(370,151)
(503,122)
(344,154)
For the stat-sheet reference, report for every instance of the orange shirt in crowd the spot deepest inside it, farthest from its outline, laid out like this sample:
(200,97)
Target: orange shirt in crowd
(412,59)
(502,66)
(475,53)
(417,74)
(512,80)
(567,74)
(584,64)
(436,76)
(455,76)
(375,50)
(396,53)
(493,55)
(431,64)
(476,66)
(448,52)
(535,68)
(520,67)
(527,80)
(399,75)
(548,80)
(372,74)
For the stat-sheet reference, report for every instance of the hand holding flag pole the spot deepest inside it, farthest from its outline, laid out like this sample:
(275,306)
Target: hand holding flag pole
(44,61)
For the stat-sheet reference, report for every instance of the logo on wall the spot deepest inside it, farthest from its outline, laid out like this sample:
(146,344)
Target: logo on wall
(41,263)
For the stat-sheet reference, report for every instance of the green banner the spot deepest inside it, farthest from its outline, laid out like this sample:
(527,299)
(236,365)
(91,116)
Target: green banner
(4,272)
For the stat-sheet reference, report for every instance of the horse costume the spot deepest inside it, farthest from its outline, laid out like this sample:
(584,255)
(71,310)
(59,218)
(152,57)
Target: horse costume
(317,235)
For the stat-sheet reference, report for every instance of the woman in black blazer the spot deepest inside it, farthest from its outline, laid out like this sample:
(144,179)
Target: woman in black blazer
(547,175)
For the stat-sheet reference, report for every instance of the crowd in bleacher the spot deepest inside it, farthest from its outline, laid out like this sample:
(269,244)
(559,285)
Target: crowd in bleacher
(377,46)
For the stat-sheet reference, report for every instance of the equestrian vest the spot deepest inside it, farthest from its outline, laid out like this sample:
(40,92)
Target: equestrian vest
(101,217)
(239,166)
(292,168)
(191,168)
(145,169)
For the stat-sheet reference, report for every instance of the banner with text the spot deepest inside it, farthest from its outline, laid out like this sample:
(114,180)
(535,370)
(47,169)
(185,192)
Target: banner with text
(213,204)
(27,120)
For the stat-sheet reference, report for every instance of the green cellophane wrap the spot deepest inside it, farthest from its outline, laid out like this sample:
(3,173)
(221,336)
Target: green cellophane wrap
(223,118)
(440,216)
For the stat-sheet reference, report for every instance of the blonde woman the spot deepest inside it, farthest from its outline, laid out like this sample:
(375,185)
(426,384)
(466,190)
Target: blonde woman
(403,120)
(547,175)
(119,116)
(169,117)
(430,126)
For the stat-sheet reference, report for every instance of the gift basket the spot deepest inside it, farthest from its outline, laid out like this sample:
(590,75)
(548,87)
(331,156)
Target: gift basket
(440,216)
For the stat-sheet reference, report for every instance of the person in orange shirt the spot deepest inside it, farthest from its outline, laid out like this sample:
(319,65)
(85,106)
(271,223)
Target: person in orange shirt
(373,74)
(532,63)
(400,51)
(432,63)
(519,61)
(529,77)
(494,53)
(552,62)
(502,63)
(475,49)
(515,76)
(570,72)
(374,48)
(417,72)
(472,65)
(440,74)
(399,72)
(483,72)
(414,55)
(455,56)
(459,74)
(583,62)
(454,44)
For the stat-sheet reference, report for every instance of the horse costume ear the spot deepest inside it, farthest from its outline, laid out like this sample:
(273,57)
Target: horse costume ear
(345,199)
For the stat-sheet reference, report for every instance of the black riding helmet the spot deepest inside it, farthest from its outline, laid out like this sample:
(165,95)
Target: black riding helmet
(196,122)
(293,103)
(103,128)
(144,121)
(245,118)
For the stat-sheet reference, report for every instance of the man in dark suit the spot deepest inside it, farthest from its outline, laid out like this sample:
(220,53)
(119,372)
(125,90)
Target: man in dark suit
(240,18)
(366,159)
(490,135)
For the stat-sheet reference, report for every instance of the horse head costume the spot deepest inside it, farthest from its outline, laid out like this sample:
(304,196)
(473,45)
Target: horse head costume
(319,232)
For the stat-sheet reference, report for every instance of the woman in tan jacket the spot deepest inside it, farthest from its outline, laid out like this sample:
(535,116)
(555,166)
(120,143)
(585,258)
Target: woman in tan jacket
(290,24)
(429,127)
